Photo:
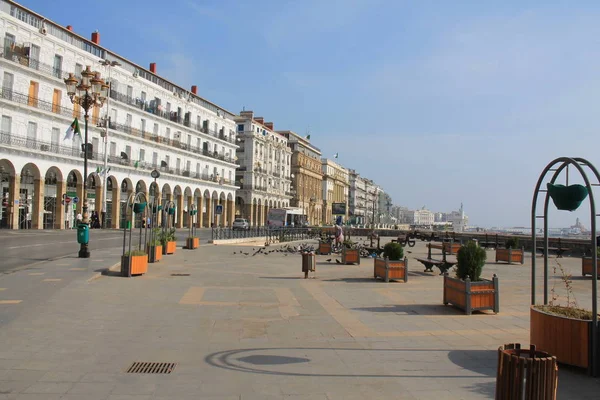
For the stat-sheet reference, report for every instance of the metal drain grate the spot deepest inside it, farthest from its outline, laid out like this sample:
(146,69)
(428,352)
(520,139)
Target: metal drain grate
(180,274)
(151,368)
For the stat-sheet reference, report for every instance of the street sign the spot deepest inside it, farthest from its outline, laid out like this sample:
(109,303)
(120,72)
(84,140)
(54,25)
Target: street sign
(67,200)
(75,200)
(219,209)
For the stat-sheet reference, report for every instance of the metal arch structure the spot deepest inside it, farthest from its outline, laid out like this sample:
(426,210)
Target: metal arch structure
(556,167)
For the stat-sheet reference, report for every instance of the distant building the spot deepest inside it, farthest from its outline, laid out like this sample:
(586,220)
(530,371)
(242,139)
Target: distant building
(335,187)
(423,217)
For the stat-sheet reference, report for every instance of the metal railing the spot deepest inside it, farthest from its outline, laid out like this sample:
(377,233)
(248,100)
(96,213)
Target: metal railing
(271,235)
(59,73)
(24,60)
(168,115)
(35,102)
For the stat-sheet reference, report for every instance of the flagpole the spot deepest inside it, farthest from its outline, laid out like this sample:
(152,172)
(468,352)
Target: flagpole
(108,65)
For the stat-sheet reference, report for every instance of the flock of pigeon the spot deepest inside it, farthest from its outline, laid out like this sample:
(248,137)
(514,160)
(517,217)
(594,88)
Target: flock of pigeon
(286,250)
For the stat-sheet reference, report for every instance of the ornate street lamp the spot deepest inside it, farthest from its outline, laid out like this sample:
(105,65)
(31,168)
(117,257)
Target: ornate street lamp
(89,91)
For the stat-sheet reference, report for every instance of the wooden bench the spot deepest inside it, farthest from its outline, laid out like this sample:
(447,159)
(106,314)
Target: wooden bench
(448,247)
(405,240)
(557,250)
(443,265)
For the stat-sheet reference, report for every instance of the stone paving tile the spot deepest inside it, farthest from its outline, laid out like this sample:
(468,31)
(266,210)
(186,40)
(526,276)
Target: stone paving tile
(362,339)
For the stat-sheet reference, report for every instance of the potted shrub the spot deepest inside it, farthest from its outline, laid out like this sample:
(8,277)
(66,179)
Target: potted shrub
(155,247)
(570,326)
(511,253)
(350,254)
(586,265)
(168,241)
(136,261)
(192,242)
(393,265)
(468,291)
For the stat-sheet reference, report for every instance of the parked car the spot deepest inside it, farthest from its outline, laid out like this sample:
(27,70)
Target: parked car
(240,223)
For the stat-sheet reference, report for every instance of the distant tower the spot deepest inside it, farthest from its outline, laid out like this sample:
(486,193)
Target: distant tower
(462,211)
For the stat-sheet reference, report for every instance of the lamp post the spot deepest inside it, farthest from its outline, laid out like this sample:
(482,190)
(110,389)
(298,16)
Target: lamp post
(108,65)
(87,92)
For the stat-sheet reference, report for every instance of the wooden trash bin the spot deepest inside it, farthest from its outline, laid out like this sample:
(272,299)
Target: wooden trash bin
(525,374)
(308,263)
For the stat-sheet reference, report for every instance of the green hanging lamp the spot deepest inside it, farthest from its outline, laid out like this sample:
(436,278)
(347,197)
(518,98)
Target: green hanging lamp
(567,198)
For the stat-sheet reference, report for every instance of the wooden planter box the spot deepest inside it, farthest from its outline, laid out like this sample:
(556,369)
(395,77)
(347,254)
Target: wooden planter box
(586,266)
(170,248)
(471,296)
(192,243)
(324,248)
(566,338)
(451,247)
(154,253)
(350,256)
(139,265)
(511,255)
(390,270)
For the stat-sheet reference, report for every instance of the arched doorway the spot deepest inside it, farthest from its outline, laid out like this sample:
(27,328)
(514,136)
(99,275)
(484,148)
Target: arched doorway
(178,200)
(207,216)
(126,191)
(74,189)
(199,204)
(30,198)
(52,198)
(188,200)
(7,189)
(112,192)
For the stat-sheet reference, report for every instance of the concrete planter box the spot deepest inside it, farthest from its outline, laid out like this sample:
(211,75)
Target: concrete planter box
(324,248)
(350,256)
(511,255)
(139,265)
(472,296)
(170,248)
(192,243)
(154,253)
(390,270)
(586,266)
(566,338)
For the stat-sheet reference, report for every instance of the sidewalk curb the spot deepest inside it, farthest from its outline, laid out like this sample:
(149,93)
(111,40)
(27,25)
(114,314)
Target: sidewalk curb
(99,274)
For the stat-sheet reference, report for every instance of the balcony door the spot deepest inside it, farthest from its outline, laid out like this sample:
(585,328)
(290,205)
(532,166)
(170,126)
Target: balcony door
(7,85)
(31,134)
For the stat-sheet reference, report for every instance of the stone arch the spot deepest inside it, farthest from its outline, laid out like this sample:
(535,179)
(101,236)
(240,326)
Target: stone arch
(112,203)
(166,190)
(140,186)
(53,174)
(126,185)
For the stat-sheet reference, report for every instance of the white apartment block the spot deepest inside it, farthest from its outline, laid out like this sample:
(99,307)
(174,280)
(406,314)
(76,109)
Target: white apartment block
(264,172)
(357,198)
(423,217)
(154,124)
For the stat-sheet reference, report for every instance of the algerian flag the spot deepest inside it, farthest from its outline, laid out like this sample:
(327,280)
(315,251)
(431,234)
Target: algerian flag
(336,155)
(136,164)
(308,137)
(73,129)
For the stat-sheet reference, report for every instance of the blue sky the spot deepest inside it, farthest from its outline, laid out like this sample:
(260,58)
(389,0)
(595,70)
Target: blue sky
(440,102)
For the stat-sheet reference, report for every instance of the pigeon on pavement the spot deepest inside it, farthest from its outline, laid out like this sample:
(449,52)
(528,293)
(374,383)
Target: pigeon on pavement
(329,260)
(337,261)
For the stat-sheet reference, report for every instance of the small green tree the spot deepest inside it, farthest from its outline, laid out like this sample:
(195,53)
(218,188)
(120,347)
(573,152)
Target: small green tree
(512,243)
(471,259)
(393,251)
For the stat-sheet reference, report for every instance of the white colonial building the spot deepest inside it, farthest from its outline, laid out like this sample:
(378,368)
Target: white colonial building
(336,184)
(264,172)
(154,124)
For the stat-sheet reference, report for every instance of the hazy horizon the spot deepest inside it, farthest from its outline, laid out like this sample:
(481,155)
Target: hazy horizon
(438,102)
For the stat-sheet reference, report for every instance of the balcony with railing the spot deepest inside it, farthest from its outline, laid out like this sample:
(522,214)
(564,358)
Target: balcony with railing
(35,102)
(19,53)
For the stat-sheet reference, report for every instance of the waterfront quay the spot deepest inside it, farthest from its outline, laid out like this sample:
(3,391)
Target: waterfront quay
(238,324)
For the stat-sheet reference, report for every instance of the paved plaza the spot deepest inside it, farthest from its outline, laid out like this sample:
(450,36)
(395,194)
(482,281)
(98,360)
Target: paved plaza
(250,327)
